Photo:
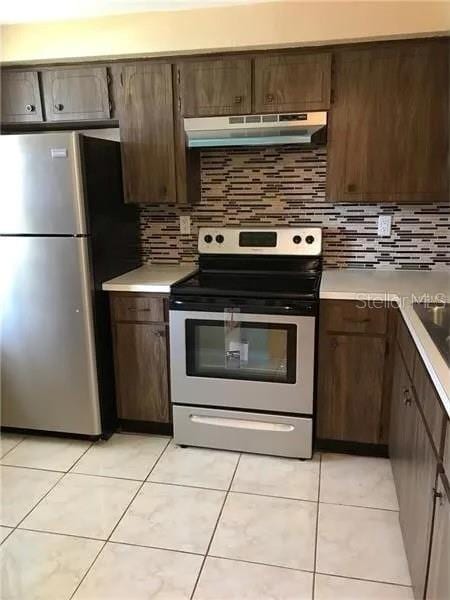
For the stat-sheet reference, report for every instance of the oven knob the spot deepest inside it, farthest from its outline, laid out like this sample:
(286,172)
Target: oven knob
(296,239)
(309,239)
(219,239)
(208,238)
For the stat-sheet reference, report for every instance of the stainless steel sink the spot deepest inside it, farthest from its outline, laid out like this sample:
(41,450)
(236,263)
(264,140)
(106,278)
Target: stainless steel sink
(436,320)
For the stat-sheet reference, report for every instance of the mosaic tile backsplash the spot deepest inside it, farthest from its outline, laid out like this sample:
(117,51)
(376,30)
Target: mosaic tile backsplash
(286,186)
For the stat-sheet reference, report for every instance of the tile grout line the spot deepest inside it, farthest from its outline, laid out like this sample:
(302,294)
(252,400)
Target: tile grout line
(117,524)
(352,578)
(13,448)
(317,528)
(215,528)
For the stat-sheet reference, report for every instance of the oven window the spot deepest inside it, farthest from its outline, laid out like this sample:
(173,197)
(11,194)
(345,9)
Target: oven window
(251,351)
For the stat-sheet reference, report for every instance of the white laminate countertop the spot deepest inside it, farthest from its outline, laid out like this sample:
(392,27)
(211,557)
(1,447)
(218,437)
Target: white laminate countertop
(156,278)
(404,287)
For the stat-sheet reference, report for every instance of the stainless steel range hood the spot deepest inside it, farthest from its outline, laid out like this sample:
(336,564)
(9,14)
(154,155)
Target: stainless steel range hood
(253,130)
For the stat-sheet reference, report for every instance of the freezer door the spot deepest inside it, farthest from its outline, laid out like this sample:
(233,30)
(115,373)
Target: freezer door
(47,369)
(41,190)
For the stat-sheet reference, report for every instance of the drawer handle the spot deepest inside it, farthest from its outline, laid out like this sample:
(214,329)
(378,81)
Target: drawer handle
(59,107)
(269,98)
(237,99)
(353,320)
(134,309)
(241,423)
(30,108)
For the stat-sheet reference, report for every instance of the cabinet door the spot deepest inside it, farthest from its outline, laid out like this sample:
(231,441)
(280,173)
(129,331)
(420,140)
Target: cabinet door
(76,94)
(215,87)
(401,427)
(350,387)
(439,574)
(287,83)
(141,371)
(21,98)
(416,506)
(388,131)
(145,109)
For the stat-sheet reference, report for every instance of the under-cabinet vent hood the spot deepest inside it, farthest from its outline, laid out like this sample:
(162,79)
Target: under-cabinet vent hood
(254,130)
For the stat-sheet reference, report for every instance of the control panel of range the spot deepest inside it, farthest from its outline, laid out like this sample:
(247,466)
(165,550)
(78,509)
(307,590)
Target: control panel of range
(299,241)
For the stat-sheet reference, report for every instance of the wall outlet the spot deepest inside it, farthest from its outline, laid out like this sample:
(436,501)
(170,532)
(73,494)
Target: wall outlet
(384,225)
(185,225)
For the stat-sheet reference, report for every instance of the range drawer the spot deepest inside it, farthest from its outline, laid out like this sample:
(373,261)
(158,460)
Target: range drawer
(243,431)
(351,316)
(138,307)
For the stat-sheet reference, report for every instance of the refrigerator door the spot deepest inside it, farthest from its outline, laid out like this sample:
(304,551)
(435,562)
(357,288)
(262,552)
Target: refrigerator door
(41,190)
(47,357)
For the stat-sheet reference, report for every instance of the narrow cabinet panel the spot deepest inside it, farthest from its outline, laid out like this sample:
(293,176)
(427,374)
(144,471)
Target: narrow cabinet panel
(439,575)
(141,372)
(215,87)
(76,94)
(297,82)
(145,110)
(21,98)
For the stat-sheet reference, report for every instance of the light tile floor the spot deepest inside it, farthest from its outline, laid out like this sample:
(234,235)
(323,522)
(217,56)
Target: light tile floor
(137,518)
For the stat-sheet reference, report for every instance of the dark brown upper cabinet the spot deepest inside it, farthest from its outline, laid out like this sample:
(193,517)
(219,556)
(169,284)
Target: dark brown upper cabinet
(292,83)
(215,87)
(79,94)
(21,98)
(145,110)
(389,124)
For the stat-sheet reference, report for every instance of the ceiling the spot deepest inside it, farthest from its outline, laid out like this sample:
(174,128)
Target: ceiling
(28,11)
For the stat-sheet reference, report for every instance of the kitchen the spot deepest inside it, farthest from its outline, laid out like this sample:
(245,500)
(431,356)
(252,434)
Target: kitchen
(242,387)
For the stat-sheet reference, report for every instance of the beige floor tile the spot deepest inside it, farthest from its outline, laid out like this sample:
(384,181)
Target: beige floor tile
(275,531)
(172,517)
(127,456)
(223,579)
(131,573)
(4,532)
(55,454)
(357,481)
(339,588)
(8,441)
(21,490)
(43,566)
(365,543)
(275,476)
(198,467)
(83,505)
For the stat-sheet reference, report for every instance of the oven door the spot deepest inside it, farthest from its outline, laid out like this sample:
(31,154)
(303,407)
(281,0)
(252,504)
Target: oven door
(241,360)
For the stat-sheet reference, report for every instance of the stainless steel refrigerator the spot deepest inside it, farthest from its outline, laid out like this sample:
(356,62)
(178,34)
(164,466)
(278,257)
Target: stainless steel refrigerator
(63,230)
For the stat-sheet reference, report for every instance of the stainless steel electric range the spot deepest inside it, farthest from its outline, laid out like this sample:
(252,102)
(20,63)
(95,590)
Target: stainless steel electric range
(242,341)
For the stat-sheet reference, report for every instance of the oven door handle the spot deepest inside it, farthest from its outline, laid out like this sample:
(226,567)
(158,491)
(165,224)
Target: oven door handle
(241,423)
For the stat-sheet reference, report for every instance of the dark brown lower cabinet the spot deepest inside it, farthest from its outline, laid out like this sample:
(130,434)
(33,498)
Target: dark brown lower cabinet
(416,462)
(353,374)
(439,573)
(141,361)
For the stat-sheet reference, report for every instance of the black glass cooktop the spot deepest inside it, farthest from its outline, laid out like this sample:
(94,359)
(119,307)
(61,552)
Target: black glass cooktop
(264,285)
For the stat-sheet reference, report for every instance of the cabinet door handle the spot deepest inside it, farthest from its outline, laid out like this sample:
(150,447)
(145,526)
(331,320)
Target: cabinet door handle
(238,99)
(407,397)
(269,98)
(59,107)
(351,187)
(30,108)
(160,334)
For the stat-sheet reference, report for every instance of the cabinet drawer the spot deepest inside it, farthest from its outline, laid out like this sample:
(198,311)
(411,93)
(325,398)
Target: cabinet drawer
(407,345)
(138,307)
(430,404)
(351,317)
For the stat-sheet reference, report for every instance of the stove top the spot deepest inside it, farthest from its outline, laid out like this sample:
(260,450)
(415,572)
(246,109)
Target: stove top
(281,263)
(264,285)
